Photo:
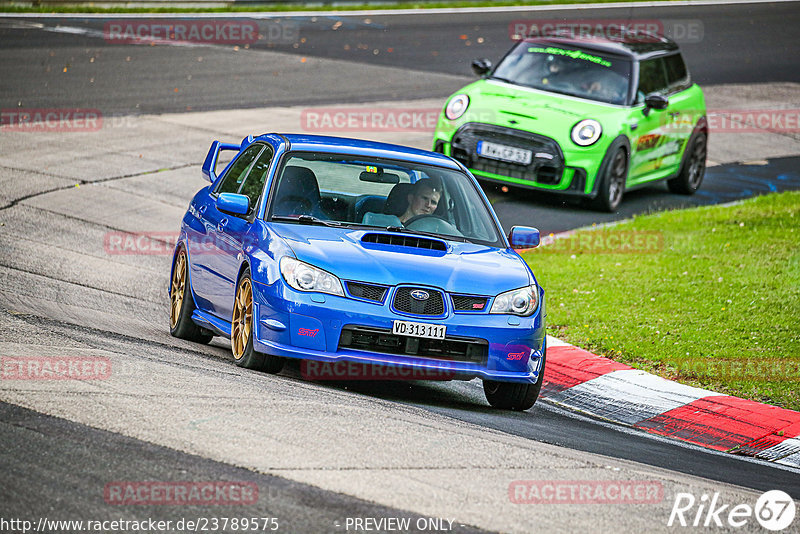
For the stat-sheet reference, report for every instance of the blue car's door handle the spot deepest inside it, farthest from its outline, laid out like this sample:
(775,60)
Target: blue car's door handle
(221,225)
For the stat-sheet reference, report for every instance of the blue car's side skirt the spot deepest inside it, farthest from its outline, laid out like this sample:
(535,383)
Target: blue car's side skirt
(217,325)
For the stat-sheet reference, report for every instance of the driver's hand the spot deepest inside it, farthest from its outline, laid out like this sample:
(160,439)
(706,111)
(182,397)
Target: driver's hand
(595,87)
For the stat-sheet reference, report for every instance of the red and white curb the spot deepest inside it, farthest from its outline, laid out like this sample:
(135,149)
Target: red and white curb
(579,380)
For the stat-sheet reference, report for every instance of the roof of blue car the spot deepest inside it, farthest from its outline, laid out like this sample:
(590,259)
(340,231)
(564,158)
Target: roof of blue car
(345,145)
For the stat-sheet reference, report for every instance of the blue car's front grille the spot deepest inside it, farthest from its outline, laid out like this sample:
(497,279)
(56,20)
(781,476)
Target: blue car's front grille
(381,340)
(407,300)
(364,291)
(472,303)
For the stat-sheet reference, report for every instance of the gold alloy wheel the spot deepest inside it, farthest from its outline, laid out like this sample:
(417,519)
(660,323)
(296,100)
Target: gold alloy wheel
(178,289)
(242,318)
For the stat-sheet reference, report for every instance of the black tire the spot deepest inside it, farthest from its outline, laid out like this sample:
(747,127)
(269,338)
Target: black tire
(613,175)
(242,331)
(182,303)
(693,166)
(513,396)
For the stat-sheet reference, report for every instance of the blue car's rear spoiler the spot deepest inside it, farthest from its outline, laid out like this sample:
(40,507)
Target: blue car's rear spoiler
(210,164)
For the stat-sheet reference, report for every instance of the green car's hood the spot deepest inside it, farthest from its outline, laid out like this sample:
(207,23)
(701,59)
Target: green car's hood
(500,103)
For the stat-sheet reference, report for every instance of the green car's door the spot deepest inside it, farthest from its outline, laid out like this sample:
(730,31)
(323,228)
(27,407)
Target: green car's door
(658,143)
(654,149)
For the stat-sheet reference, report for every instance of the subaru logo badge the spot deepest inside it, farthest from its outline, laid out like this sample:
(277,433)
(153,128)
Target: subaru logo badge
(419,294)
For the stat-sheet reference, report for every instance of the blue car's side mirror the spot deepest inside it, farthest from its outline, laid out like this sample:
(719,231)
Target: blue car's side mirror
(523,237)
(233,204)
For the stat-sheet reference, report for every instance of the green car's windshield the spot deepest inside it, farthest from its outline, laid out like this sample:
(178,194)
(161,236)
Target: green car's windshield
(360,191)
(567,71)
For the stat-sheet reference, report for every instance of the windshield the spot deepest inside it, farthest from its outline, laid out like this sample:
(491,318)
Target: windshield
(567,71)
(347,190)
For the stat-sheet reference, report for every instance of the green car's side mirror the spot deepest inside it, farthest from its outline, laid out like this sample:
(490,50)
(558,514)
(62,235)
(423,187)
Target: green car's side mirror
(481,66)
(654,101)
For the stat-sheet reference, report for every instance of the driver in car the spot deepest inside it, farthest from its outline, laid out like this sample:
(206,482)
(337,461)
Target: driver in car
(423,199)
(555,70)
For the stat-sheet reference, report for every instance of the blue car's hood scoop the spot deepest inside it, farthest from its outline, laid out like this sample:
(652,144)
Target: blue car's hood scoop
(390,258)
(404,240)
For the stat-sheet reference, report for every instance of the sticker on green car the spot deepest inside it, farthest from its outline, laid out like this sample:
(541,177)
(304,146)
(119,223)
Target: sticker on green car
(574,54)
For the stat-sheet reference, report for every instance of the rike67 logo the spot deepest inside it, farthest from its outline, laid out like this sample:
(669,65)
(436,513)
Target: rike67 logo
(774,510)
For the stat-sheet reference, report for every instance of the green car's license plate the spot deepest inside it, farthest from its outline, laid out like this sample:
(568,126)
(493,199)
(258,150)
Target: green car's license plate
(511,154)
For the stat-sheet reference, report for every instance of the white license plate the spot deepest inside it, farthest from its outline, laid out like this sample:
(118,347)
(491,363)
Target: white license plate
(504,152)
(407,328)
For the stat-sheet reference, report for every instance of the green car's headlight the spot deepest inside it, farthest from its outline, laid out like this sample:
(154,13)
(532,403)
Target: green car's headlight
(586,132)
(522,301)
(305,277)
(456,107)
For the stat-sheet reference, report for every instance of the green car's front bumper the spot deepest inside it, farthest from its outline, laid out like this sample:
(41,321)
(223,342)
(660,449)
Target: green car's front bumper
(565,170)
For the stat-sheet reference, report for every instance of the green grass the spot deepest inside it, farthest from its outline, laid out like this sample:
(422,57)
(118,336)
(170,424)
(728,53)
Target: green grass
(12,7)
(717,305)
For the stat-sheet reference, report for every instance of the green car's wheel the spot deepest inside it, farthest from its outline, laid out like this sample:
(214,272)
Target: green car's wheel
(613,175)
(242,331)
(512,396)
(693,167)
(182,303)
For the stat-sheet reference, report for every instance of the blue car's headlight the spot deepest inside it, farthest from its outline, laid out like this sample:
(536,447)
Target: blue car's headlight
(304,277)
(522,301)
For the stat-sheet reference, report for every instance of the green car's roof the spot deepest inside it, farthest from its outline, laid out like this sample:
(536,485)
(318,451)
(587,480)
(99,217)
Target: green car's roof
(635,46)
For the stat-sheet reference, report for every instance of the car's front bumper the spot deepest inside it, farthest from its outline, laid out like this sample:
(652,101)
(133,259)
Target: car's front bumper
(310,326)
(558,167)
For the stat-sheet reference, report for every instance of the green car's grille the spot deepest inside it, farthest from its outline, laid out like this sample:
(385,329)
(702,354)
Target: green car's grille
(547,162)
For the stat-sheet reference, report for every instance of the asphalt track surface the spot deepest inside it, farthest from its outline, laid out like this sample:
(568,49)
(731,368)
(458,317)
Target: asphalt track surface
(33,63)
(32,440)
(50,66)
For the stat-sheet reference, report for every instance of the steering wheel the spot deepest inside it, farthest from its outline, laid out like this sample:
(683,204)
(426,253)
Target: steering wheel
(293,205)
(605,90)
(439,225)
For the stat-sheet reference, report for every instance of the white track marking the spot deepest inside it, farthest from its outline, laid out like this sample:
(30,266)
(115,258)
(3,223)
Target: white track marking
(629,396)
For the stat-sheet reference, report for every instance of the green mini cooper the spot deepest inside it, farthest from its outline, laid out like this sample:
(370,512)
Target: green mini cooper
(586,117)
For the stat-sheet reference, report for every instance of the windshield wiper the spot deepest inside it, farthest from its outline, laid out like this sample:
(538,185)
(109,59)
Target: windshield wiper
(305,219)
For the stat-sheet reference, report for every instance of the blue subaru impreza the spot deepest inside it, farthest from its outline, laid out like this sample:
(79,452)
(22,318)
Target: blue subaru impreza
(346,252)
